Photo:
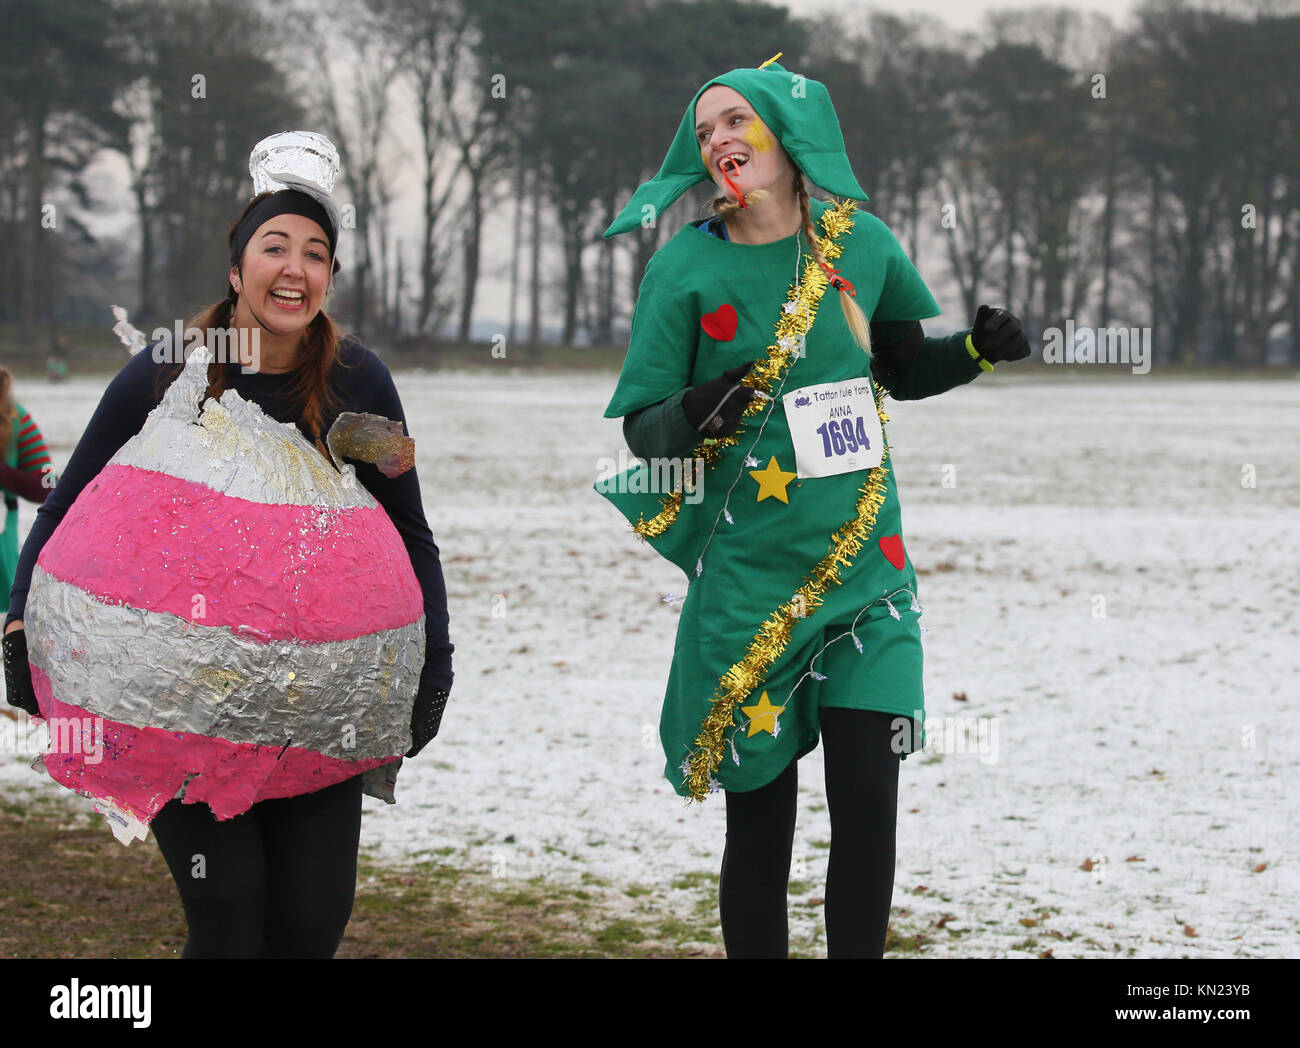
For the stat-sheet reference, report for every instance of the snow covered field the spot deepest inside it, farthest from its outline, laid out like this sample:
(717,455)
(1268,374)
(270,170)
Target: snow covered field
(1116,606)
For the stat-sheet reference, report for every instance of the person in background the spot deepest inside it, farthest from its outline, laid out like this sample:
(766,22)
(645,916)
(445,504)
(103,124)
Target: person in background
(25,472)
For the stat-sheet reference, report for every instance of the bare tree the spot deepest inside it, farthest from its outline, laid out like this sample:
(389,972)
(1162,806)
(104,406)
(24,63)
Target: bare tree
(364,61)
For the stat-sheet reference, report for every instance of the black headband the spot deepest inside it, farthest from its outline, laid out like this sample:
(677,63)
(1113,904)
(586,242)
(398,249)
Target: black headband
(285,202)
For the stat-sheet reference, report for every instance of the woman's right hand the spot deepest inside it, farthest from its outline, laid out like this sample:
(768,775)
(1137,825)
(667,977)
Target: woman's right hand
(18,674)
(714,407)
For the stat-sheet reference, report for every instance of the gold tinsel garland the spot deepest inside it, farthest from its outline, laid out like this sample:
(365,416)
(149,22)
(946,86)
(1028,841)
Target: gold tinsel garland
(774,635)
(767,373)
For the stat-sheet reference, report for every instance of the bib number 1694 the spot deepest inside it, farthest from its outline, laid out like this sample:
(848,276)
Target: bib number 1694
(844,435)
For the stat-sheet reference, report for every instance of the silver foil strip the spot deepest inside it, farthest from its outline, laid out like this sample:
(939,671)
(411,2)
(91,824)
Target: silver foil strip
(239,450)
(150,669)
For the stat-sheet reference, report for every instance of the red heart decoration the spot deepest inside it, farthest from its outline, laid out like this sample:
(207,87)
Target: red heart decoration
(720,325)
(892,547)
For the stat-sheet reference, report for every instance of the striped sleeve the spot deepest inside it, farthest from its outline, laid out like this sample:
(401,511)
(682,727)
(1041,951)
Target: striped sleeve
(33,456)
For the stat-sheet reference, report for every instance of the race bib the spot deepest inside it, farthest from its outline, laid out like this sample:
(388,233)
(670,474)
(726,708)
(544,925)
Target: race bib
(835,428)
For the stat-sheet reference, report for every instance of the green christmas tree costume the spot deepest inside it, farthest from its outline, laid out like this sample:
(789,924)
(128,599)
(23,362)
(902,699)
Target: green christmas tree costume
(779,565)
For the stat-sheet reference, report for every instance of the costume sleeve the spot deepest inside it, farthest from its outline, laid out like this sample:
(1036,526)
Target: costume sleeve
(912,367)
(661,348)
(121,413)
(661,430)
(28,478)
(400,497)
(903,295)
(29,485)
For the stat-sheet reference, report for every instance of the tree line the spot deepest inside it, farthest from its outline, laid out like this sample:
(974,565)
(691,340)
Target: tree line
(1144,176)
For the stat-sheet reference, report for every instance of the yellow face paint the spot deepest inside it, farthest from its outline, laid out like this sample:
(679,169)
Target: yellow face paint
(758,136)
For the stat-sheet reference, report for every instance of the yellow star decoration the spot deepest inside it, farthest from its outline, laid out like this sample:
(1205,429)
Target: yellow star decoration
(762,716)
(772,481)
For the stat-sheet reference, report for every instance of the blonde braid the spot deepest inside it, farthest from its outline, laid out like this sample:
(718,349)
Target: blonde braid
(725,207)
(853,315)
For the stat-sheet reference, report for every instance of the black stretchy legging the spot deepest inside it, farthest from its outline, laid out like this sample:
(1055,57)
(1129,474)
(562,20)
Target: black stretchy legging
(862,794)
(278,880)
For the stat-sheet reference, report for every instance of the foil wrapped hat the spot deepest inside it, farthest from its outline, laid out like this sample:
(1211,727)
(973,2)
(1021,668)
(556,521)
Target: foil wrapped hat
(796,109)
(301,160)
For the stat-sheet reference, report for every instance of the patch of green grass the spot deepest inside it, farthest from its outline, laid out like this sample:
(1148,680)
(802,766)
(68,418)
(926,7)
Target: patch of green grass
(695,879)
(900,941)
(621,932)
(676,930)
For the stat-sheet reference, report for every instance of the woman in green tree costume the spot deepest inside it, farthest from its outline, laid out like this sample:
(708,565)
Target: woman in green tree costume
(801,614)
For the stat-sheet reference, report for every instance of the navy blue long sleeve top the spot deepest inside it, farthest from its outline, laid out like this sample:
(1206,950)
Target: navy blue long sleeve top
(362,383)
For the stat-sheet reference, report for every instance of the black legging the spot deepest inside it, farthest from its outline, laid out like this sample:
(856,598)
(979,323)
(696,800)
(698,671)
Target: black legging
(279,880)
(862,793)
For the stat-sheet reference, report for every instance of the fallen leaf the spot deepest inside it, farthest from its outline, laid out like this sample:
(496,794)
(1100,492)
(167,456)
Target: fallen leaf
(1261,867)
(1047,954)
(920,888)
(960,696)
(1190,932)
(1135,858)
(816,900)
(1088,864)
(1028,922)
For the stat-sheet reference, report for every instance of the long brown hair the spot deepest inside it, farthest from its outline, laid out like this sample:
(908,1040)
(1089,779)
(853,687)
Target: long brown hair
(8,409)
(853,315)
(315,397)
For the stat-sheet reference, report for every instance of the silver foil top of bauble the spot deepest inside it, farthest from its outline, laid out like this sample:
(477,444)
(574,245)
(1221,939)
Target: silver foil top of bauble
(301,160)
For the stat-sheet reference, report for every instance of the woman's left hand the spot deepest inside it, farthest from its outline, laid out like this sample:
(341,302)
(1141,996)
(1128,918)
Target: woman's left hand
(18,675)
(999,335)
(426,716)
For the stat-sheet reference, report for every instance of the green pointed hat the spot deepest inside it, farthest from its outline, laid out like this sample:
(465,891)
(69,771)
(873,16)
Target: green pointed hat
(795,109)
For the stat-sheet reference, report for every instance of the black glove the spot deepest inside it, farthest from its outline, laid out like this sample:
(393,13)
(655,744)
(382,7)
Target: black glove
(999,335)
(18,675)
(714,408)
(426,715)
